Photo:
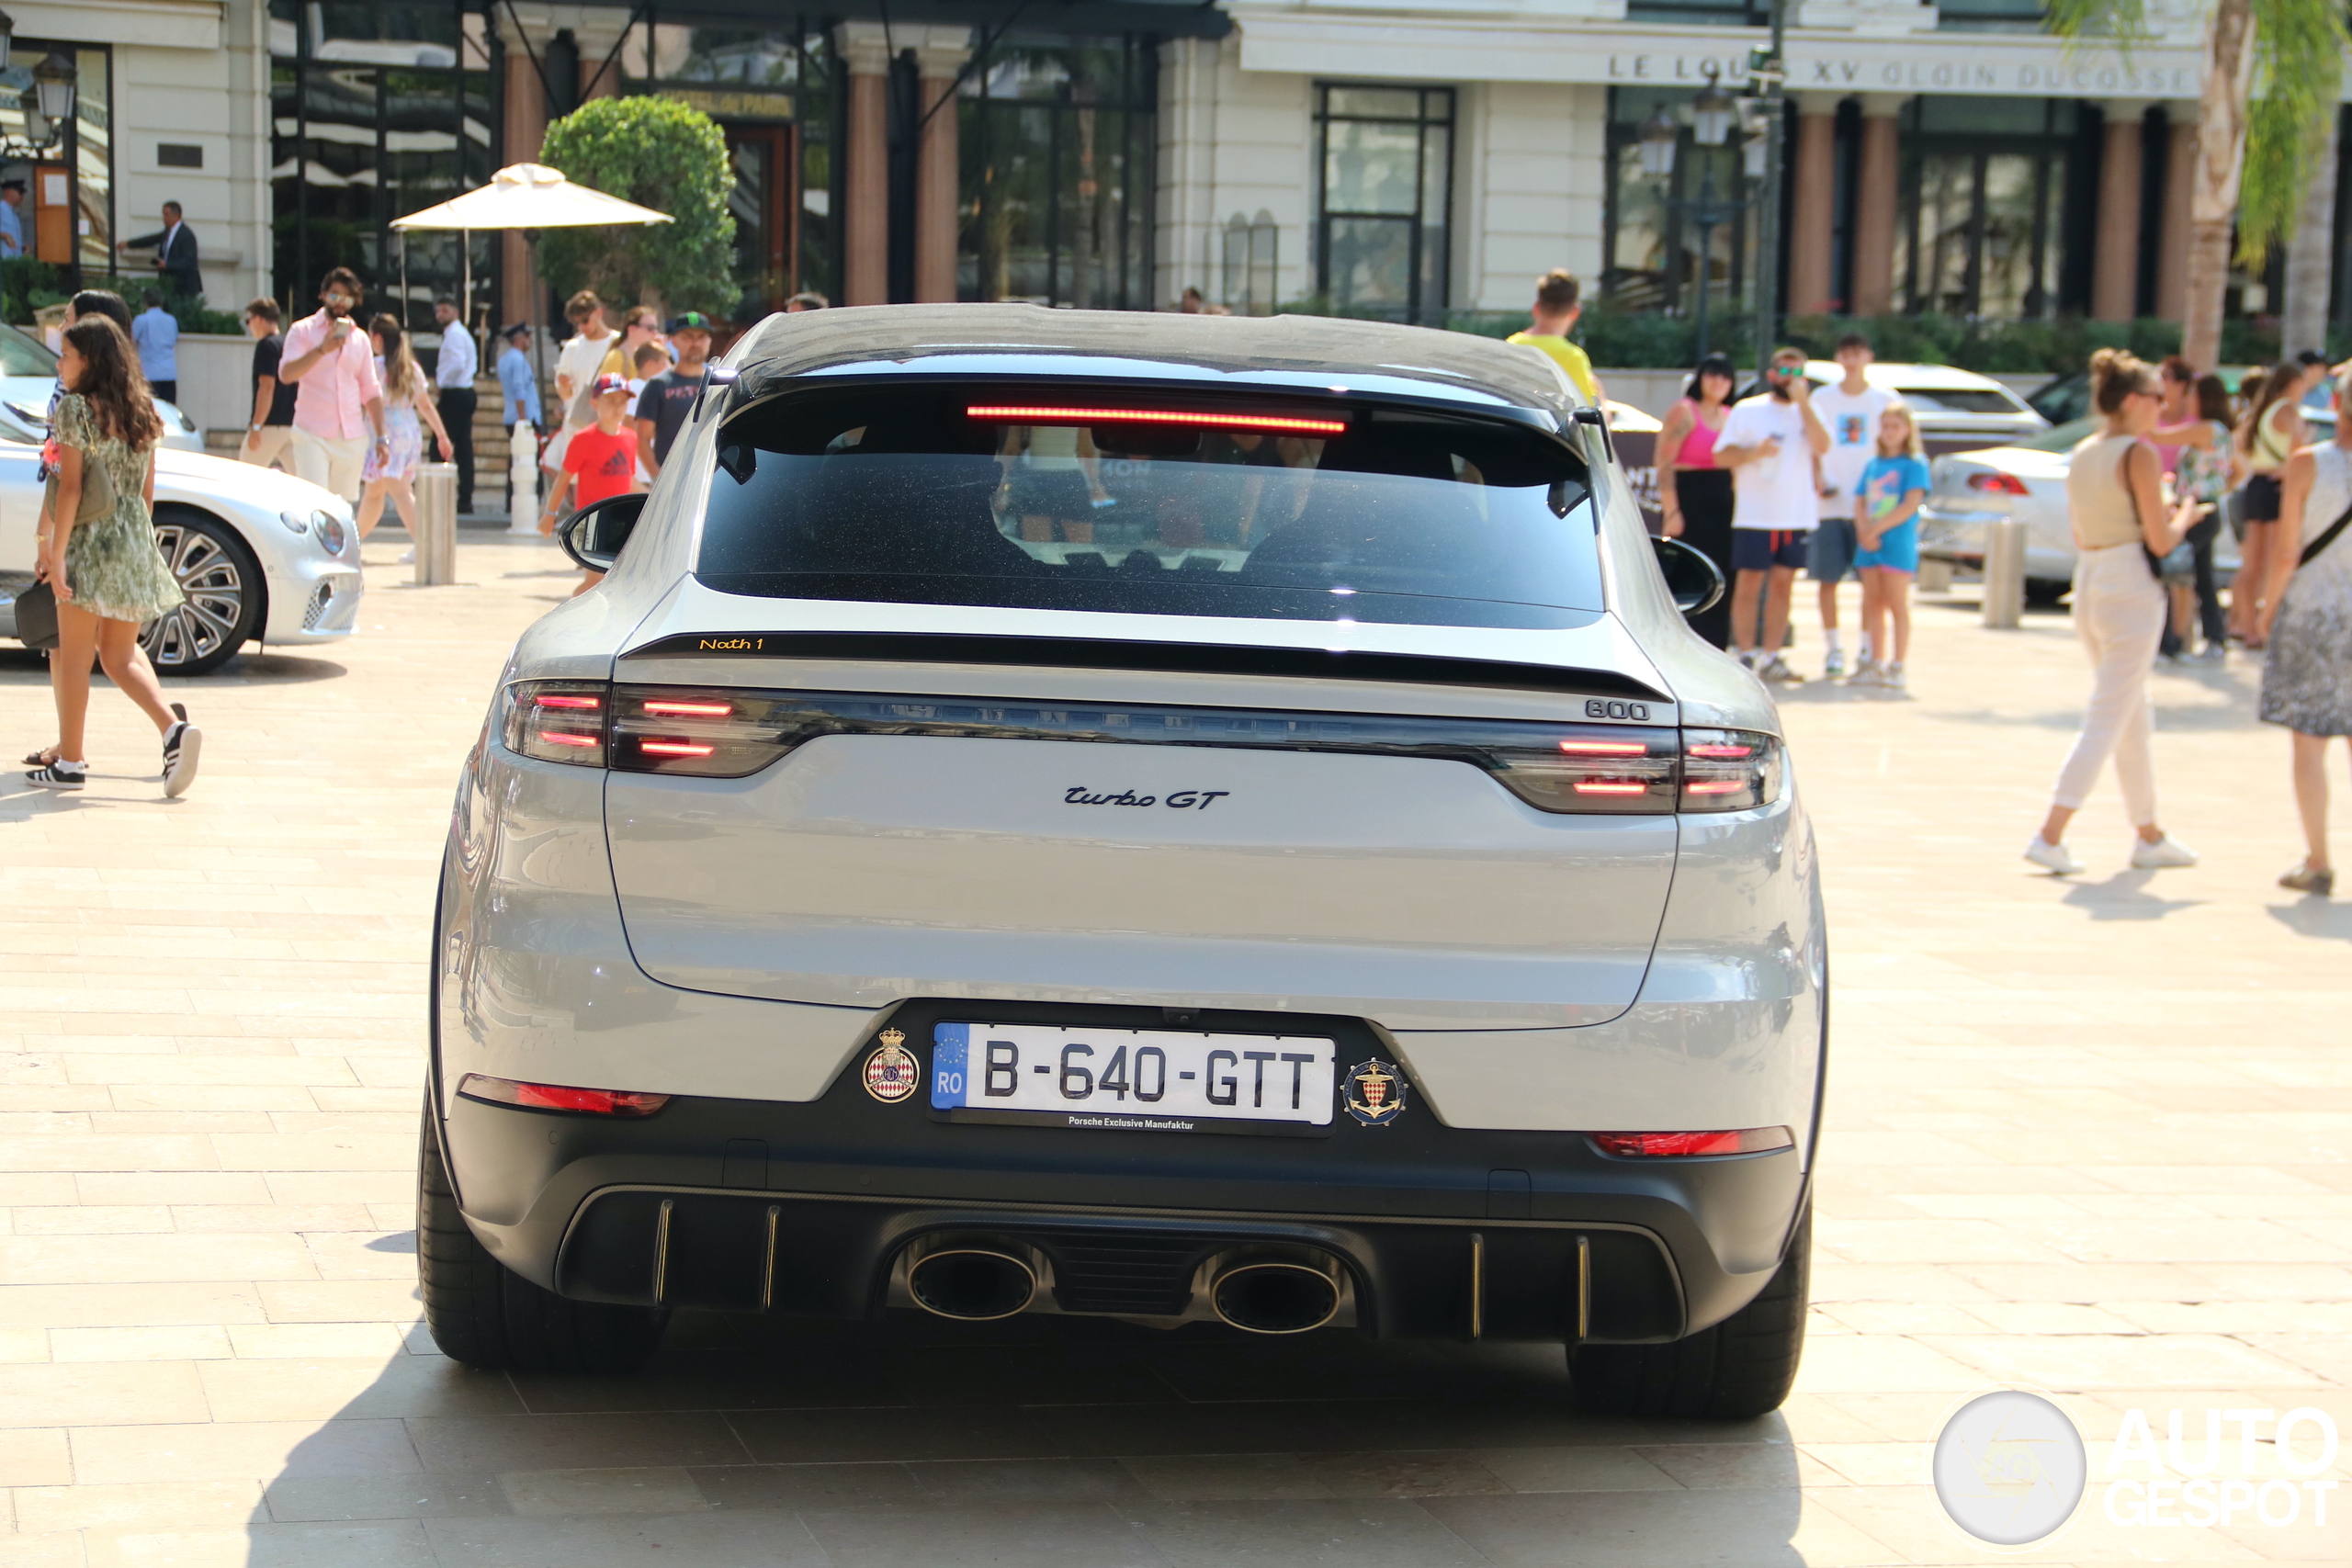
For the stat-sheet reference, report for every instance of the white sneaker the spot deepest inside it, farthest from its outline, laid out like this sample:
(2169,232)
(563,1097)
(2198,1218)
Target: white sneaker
(1834,665)
(2157,857)
(1776,669)
(407,558)
(2055,859)
(1891,677)
(1867,673)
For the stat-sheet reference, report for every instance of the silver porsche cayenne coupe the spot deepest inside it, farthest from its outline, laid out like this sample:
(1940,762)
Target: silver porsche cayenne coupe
(1197,820)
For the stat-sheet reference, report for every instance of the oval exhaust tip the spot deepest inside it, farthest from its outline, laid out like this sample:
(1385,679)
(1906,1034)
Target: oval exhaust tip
(1275,1297)
(971,1285)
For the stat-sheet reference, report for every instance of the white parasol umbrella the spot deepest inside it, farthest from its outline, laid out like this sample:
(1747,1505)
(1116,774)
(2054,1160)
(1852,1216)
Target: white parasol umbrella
(529,197)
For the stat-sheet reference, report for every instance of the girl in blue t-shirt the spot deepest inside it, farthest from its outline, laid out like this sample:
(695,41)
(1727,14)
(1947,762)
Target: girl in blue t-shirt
(1886,516)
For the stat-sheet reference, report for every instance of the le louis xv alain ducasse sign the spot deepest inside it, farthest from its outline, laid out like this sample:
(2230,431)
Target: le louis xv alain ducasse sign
(2035,70)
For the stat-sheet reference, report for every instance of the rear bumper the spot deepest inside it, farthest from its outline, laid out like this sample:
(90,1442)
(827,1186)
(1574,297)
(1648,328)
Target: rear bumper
(805,1207)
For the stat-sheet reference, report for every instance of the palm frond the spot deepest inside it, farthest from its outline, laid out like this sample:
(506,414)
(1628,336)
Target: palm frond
(2123,22)
(2298,79)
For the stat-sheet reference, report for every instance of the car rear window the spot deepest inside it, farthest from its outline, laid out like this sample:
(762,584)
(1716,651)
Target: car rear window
(1083,498)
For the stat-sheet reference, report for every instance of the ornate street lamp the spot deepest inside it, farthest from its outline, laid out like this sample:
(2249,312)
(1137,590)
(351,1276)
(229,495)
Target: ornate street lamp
(1713,114)
(48,107)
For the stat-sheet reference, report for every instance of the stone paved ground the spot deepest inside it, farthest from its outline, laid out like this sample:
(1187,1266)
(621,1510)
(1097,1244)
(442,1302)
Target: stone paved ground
(2092,1136)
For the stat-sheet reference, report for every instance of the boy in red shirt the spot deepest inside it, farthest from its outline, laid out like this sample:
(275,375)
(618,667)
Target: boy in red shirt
(599,464)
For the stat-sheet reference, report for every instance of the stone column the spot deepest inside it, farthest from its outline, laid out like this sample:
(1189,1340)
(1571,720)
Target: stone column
(525,128)
(2180,177)
(2115,254)
(1813,172)
(940,53)
(1876,206)
(865,194)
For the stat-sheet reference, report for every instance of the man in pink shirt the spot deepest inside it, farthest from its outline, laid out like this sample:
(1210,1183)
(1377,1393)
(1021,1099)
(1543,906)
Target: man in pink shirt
(338,402)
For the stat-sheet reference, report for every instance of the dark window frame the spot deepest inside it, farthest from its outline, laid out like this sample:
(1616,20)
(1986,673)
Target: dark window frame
(1417,309)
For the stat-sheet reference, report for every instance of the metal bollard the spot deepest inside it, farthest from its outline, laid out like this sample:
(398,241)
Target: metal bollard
(2004,573)
(437,524)
(522,469)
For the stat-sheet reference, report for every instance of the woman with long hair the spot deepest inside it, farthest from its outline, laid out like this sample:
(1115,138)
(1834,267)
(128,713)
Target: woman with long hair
(2206,468)
(2307,680)
(105,571)
(1692,492)
(2267,436)
(2115,493)
(408,399)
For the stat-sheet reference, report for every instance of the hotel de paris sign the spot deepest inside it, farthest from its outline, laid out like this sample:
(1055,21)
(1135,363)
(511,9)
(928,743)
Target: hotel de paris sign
(1431,48)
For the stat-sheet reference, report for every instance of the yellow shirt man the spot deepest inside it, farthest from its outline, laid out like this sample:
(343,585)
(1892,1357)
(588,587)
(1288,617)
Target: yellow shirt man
(1571,358)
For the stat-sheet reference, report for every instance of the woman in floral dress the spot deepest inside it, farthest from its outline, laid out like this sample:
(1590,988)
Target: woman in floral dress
(408,408)
(107,574)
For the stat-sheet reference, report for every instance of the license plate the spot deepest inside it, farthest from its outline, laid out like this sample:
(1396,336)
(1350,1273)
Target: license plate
(1145,1080)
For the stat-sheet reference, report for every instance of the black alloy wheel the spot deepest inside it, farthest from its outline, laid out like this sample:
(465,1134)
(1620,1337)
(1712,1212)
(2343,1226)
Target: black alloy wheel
(221,580)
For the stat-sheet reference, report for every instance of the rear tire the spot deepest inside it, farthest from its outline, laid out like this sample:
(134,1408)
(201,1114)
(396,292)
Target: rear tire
(484,1314)
(1743,1366)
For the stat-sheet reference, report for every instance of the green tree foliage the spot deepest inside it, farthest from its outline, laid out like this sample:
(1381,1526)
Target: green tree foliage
(659,154)
(2298,78)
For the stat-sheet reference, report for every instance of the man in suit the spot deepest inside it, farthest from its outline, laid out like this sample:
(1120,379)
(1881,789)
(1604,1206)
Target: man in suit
(174,252)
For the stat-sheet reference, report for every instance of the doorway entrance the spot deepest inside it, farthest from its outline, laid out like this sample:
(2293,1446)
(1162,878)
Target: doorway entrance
(765,201)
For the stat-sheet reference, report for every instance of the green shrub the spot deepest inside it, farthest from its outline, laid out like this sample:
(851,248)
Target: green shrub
(659,154)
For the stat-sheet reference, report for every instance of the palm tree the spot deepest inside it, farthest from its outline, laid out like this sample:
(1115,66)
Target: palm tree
(2274,74)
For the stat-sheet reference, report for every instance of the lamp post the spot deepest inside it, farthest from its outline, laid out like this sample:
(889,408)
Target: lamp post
(1767,72)
(1713,114)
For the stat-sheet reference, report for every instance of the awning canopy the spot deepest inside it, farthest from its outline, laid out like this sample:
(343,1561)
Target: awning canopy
(530,196)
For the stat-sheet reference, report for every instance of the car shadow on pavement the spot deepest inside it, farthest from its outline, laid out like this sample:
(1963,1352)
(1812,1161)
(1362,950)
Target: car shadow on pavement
(1038,1441)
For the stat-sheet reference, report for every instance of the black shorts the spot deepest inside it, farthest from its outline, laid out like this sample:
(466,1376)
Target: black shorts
(1760,549)
(2261,499)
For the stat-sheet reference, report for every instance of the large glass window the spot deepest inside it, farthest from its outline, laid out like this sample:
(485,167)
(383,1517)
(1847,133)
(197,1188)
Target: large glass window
(378,111)
(1385,188)
(1056,142)
(1983,229)
(771,93)
(68,214)
(1655,256)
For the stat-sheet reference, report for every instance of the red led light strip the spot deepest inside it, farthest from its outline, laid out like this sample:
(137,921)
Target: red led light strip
(688,710)
(675,749)
(1157,416)
(557,737)
(547,700)
(1597,786)
(1719,786)
(1605,748)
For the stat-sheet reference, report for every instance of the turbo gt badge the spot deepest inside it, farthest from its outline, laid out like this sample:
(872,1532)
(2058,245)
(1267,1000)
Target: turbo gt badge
(1373,1093)
(891,1072)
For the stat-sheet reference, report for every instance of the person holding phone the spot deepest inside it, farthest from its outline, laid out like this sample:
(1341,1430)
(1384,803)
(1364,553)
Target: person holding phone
(338,400)
(1769,444)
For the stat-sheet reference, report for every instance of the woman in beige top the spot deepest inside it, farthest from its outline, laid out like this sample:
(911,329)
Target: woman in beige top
(2114,490)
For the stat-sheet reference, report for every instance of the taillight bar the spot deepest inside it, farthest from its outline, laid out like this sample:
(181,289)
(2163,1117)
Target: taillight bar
(560,1097)
(1612,769)
(1686,1145)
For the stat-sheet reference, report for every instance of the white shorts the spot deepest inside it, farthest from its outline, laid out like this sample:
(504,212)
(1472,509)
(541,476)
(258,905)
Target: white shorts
(331,461)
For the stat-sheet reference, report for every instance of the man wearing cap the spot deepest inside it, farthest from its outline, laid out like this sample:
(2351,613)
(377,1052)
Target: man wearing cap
(668,399)
(12,222)
(454,368)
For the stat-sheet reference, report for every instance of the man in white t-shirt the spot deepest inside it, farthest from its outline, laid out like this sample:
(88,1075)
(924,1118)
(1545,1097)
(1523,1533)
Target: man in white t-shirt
(1769,443)
(1849,412)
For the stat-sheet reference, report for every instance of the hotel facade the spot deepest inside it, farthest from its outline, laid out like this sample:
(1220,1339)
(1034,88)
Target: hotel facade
(1411,160)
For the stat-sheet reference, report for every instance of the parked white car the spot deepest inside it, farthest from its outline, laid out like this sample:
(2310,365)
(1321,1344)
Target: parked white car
(27,378)
(1957,410)
(262,557)
(2027,481)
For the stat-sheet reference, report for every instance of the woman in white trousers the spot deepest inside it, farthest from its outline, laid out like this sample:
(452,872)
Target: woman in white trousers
(2114,495)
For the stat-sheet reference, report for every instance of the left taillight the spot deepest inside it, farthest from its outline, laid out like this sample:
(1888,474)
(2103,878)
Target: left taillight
(560,1097)
(558,721)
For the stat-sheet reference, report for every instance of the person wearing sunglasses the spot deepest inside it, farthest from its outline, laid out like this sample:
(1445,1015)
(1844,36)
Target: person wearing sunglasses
(339,401)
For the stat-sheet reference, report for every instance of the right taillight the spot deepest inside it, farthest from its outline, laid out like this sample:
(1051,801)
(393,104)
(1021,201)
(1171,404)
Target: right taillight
(1729,770)
(1997,484)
